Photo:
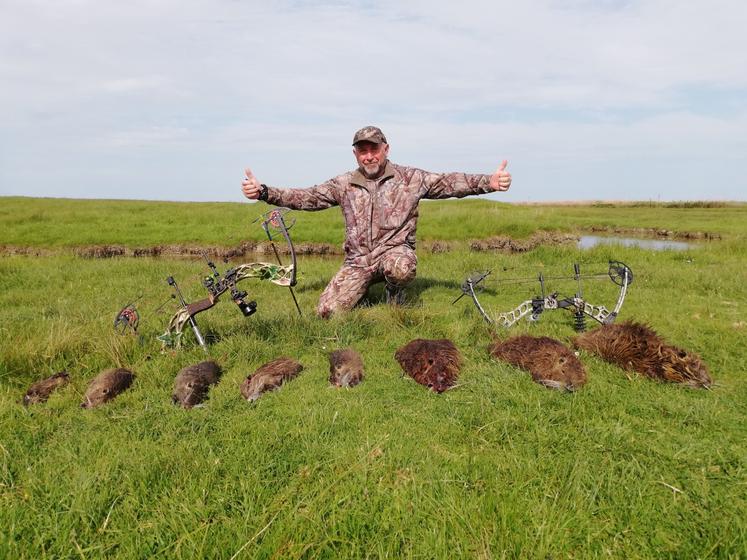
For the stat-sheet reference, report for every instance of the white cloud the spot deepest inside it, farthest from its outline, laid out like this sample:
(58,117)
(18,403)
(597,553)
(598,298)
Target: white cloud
(282,86)
(131,85)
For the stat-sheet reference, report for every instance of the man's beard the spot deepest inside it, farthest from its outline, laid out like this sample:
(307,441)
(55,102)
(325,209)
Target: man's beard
(374,170)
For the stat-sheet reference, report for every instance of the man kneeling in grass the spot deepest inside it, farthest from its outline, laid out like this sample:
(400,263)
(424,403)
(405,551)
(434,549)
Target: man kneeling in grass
(379,202)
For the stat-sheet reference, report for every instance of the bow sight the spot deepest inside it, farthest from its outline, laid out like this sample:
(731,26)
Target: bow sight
(619,273)
(217,285)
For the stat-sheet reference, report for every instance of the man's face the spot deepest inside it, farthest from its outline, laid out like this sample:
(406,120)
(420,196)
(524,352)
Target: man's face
(371,158)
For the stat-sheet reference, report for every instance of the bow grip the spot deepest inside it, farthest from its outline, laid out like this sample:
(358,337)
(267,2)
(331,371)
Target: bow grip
(199,306)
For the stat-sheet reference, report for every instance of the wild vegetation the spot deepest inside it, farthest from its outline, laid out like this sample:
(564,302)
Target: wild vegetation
(496,467)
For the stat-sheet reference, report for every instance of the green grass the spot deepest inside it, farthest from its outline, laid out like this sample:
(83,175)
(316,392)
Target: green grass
(497,468)
(58,223)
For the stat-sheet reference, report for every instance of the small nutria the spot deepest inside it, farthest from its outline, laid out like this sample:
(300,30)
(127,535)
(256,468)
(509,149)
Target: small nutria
(432,363)
(269,376)
(107,385)
(636,347)
(192,383)
(549,361)
(39,392)
(345,368)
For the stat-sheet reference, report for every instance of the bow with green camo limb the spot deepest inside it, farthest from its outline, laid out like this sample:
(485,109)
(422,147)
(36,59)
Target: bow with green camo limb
(218,284)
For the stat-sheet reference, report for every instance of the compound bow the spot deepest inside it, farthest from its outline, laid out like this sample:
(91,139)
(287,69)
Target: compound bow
(619,273)
(217,284)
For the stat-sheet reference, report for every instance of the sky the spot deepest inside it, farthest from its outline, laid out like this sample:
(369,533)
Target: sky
(173,99)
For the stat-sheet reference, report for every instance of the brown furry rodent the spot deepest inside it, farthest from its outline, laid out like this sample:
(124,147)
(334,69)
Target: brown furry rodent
(269,376)
(39,392)
(549,361)
(636,347)
(107,385)
(345,368)
(432,363)
(192,383)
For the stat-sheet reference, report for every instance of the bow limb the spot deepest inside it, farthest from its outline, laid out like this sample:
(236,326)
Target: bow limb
(473,295)
(277,274)
(275,219)
(621,275)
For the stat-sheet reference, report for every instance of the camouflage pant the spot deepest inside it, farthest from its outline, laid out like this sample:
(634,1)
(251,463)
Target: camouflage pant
(347,287)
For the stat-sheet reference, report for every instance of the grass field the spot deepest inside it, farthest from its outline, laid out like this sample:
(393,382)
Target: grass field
(498,467)
(68,223)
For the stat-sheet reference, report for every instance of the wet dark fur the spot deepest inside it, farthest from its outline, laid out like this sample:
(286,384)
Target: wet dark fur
(39,392)
(192,383)
(636,347)
(550,362)
(345,368)
(269,376)
(432,363)
(107,385)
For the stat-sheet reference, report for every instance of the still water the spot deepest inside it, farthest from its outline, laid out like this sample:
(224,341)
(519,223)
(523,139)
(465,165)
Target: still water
(589,241)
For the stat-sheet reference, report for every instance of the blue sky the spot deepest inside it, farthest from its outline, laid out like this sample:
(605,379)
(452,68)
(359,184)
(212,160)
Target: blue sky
(171,100)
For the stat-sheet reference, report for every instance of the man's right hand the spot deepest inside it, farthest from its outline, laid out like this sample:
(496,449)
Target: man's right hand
(250,186)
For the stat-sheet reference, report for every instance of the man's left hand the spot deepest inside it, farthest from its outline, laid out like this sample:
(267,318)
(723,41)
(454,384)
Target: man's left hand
(501,179)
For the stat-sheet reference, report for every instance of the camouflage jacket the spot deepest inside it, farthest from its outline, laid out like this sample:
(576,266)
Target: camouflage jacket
(379,213)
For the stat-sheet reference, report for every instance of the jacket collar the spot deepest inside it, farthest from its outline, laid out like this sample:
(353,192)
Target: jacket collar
(360,180)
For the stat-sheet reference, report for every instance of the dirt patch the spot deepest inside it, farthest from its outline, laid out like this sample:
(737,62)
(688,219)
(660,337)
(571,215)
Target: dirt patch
(147,251)
(654,232)
(317,249)
(509,245)
(501,243)
(437,246)
(242,250)
(9,250)
(99,251)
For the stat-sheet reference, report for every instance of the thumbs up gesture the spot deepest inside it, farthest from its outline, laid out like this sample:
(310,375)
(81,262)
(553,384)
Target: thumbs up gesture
(250,186)
(501,179)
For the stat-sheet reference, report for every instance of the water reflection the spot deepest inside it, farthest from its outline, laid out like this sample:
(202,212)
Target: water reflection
(589,241)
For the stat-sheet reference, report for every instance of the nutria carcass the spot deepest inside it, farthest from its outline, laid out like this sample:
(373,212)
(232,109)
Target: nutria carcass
(40,391)
(269,376)
(192,383)
(432,363)
(107,385)
(549,361)
(637,347)
(345,368)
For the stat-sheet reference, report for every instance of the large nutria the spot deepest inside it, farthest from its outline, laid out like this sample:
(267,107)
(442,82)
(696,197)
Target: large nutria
(432,363)
(345,368)
(550,362)
(636,347)
(39,392)
(107,385)
(192,383)
(269,376)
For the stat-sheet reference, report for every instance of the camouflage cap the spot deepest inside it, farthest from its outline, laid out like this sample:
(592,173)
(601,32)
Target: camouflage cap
(369,134)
